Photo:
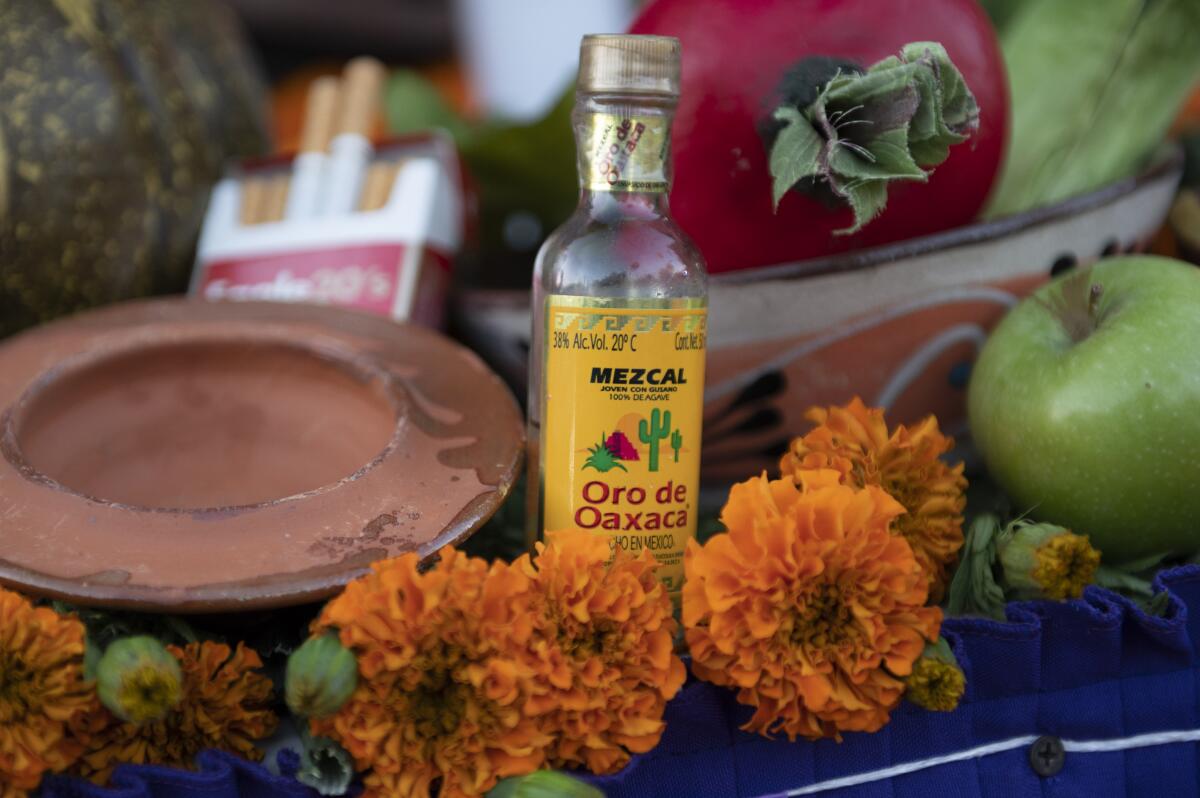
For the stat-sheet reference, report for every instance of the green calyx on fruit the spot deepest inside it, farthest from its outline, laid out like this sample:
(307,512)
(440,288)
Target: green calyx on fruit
(321,676)
(138,680)
(865,129)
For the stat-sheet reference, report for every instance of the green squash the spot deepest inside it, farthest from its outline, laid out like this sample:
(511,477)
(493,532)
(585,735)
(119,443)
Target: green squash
(116,118)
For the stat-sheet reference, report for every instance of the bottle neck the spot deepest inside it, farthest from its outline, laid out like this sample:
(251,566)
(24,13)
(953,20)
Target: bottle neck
(624,154)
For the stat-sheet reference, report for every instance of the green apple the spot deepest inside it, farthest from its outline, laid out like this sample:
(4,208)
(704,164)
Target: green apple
(1085,404)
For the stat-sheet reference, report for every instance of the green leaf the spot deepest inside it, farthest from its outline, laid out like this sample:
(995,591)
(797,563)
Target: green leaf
(181,629)
(929,152)
(411,104)
(795,154)
(948,113)
(850,165)
(105,626)
(926,124)
(525,169)
(708,525)
(1093,93)
(883,80)
(1157,607)
(1132,579)
(867,198)
(974,589)
(1121,582)
(517,168)
(1151,562)
(91,659)
(960,111)
(1003,12)
(887,158)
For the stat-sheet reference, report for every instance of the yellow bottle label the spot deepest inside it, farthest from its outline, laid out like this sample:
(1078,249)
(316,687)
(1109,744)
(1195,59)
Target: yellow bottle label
(621,422)
(625,153)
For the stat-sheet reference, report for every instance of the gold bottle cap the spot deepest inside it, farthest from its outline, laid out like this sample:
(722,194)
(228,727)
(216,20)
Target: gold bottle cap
(626,64)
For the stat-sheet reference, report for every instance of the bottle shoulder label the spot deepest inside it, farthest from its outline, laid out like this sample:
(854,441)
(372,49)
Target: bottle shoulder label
(622,421)
(625,153)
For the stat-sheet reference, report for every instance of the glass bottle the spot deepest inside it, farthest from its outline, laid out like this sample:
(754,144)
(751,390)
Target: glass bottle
(619,322)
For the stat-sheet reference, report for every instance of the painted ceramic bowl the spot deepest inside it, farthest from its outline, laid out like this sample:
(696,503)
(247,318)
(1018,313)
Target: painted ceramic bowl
(186,456)
(898,325)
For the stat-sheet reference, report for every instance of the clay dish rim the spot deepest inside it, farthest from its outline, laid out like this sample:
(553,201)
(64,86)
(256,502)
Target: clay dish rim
(488,441)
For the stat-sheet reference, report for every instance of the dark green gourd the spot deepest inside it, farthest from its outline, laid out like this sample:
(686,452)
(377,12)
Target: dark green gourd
(116,117)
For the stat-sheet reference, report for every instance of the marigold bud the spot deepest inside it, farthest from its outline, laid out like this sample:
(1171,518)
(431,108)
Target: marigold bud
(936,682)
(138,679)
(321,676)
(1046,561)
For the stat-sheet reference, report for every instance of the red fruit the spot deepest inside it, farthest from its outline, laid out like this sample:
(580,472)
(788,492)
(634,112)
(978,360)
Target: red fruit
(620,446)
(735,53)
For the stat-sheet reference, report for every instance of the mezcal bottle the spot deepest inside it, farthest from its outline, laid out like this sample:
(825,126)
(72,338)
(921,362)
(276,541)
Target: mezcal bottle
(619,322)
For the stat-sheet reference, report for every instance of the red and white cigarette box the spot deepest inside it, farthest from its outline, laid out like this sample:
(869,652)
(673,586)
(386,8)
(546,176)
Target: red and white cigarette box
(393,261)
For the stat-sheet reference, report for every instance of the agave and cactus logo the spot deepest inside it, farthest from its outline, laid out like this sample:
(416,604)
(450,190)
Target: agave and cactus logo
(618,449)
(602,458)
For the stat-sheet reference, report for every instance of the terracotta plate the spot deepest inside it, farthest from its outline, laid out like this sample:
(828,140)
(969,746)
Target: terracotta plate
(182,456)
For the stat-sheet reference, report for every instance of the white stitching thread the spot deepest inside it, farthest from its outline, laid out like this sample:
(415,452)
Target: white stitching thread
(1077,746)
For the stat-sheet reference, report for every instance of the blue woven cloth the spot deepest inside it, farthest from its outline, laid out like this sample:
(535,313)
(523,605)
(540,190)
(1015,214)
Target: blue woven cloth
(1097,669)
(218,775)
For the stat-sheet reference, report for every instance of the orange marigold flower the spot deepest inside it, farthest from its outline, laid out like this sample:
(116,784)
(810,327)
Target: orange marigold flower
(439,705)
(603,650)
(854,440)
(42,690)
(224,704)
(808,604)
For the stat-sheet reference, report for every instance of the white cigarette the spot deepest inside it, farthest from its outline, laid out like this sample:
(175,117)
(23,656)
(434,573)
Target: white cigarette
(350,149)
(308,169)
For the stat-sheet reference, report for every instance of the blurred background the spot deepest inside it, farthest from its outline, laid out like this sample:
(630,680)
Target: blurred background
(476,68)
(485,56)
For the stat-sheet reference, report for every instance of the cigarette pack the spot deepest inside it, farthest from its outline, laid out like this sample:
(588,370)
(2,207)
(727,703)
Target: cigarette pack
(390,254)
